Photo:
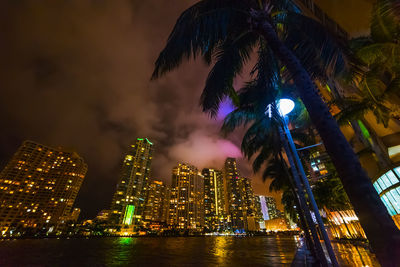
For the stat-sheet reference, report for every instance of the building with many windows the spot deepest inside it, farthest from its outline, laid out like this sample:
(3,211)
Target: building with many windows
(240,204)
(268,208)
(214,215)
(186,210)
(155,211)
(129,200)
(38,188)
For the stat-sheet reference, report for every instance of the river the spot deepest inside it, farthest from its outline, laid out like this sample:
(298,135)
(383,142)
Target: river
(165,251)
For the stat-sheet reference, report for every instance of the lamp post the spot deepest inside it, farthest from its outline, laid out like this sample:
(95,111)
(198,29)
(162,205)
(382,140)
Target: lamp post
(285,106)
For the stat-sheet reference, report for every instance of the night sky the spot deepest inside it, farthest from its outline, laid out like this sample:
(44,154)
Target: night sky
(77,74)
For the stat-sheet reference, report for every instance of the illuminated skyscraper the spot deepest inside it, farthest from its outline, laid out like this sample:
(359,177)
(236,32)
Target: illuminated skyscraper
(187,198)
(234,196)
(38,188)
(251,212)
(129,199)
(268,207)
(157,199)
(214,214)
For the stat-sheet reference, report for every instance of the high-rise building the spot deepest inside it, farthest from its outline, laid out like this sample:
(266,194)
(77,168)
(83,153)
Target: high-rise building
(214,210)
(38,188)
(186,210)
(235,194)
(268,207)
(130,197)
(157,200)
(251,212)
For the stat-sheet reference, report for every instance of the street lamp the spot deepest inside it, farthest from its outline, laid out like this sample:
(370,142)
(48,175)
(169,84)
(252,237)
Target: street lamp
(285,106)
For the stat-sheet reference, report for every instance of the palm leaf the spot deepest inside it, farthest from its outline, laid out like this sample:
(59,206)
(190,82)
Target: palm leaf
(200,29)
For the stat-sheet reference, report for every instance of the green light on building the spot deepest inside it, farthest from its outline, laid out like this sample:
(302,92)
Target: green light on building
(149,141)
(129,211)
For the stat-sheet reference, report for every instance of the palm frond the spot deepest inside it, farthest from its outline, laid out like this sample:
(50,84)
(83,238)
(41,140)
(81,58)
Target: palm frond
(384,23)
(321,52)
(219,84)
(237,118)
(200,29)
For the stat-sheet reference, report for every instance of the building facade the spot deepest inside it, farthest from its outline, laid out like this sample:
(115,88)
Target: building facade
(157,199)
(186,210)
(239,198)
(129,200)
(38,188)
(214,208)
(268,208)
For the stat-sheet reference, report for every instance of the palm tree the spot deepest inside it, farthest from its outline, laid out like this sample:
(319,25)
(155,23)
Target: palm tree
(224,33)
(374,83)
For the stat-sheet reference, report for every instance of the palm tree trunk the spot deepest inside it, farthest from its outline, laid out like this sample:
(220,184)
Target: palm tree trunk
(374,217)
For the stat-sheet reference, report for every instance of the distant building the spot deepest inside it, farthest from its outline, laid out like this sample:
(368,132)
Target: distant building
(186,210)
(75,215)
(38,188)
(103,215)
(240,204)
(128,203)
(268,208)
(157,200)
(273,212)
(233,197)
(214,215)
(252,214)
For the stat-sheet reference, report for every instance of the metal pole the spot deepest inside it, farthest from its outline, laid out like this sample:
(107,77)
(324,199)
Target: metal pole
(302,200)
(310,195)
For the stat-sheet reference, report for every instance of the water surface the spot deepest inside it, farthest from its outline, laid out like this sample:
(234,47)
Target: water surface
(165,251)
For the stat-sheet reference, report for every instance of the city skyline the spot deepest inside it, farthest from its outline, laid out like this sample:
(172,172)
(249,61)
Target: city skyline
(130,171)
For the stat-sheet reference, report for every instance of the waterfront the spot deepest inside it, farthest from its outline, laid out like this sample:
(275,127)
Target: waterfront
(164,251)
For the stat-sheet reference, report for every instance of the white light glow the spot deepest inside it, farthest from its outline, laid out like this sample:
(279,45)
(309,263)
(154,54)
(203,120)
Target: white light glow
(285,106)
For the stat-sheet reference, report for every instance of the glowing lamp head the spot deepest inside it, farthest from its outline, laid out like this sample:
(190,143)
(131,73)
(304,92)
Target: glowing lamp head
(285,106)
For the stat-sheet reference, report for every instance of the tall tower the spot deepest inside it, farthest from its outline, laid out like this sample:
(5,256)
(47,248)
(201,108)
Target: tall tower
(187,198)
(38,188)
(234,196)
(214,210)
(128,202)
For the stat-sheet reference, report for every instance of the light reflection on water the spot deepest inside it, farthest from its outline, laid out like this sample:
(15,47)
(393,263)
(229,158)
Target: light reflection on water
(161,251)
(350,255)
